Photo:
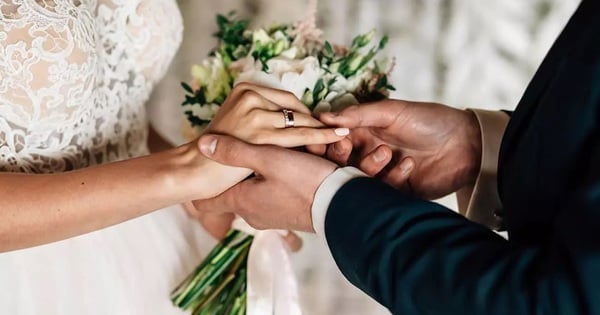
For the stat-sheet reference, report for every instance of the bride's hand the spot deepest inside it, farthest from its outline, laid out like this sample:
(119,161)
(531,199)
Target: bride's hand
(255,114)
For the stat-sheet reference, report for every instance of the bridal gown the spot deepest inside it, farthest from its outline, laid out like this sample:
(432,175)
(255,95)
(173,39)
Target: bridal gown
(74,78)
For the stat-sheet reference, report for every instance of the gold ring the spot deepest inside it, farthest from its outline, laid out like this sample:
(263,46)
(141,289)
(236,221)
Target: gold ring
(288,117)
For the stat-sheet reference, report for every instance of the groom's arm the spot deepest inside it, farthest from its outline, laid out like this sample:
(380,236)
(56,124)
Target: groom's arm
(417,257)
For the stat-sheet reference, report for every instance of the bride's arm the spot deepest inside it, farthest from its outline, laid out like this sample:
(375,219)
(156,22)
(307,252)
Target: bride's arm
(39,209)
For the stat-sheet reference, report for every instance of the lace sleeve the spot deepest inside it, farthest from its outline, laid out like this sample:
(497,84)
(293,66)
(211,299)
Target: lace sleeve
(47,59)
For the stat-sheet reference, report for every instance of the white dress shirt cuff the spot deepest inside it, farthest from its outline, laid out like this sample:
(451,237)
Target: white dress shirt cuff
(325,193)
(480,202)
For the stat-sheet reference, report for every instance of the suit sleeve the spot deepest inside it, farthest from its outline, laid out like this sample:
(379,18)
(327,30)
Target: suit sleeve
(417,257)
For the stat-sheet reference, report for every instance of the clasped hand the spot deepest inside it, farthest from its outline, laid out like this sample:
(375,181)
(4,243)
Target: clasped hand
(426,149)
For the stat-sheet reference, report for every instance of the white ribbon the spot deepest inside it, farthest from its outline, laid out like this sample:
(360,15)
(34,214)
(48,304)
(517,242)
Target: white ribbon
(272,288)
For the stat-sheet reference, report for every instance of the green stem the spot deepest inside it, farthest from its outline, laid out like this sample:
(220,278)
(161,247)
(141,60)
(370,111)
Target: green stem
(218,279)
(214,252)
(236,290)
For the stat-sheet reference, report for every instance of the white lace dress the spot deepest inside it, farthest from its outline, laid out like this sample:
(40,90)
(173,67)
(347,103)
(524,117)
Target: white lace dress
(74,77)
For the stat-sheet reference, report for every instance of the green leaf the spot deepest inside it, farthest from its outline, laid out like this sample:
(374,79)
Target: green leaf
(329,50)
(381,83)
(307,98)
(187,87)
(319,87)
(362,40)
(383,42)
(222,21)
(195,121)
(335,67)
(231,34)
(331,82)
(201,96)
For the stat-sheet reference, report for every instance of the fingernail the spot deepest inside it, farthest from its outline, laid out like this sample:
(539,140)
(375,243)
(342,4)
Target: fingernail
(342,131)
(208,148)
(379,156)
(406,168)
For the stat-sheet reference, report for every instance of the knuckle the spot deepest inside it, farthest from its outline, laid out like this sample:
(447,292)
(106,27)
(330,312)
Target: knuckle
(242,86)
(254,117)
(249,99)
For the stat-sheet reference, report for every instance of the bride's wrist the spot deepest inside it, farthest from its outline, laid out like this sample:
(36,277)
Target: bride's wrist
(184,171)
(190,175)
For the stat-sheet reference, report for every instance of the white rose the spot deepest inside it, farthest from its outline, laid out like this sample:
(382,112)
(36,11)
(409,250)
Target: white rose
(307,73)
(253,73)
(351,84)
(294,76)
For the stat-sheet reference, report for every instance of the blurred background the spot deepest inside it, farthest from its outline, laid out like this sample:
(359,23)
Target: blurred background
(464,53)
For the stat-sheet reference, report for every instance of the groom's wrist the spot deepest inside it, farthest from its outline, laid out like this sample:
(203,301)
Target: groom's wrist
(478,200)
(325,193)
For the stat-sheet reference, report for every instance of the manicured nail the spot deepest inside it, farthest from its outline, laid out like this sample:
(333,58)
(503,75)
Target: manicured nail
(342,131)
(208,148)
(379,156)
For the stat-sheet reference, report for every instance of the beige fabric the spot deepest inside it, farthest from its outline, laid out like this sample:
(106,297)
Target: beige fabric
(480,202)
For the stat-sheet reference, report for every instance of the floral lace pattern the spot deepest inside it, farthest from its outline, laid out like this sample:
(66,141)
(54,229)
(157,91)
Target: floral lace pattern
(74,77)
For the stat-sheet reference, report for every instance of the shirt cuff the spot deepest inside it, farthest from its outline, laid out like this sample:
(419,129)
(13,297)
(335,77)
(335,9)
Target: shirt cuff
(481,202)
(325,193)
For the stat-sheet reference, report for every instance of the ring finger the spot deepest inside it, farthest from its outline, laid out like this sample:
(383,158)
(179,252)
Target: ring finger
(300,120)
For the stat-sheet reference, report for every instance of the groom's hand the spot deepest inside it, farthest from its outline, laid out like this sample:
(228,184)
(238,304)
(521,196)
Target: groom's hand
(282,193)
(428,149)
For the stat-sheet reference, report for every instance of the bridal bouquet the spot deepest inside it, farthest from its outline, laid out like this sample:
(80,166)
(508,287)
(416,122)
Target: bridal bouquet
(324,77)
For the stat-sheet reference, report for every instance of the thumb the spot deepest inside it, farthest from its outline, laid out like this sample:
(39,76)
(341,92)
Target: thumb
(232,152)
(380,114)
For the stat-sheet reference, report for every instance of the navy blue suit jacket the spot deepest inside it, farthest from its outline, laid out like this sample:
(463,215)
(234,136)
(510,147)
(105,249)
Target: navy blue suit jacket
(417,257)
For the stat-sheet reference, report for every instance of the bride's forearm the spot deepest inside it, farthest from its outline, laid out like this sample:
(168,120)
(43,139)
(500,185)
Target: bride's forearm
(38,209)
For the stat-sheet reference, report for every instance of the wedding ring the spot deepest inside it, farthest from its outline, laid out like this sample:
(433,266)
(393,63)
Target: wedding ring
(288,117)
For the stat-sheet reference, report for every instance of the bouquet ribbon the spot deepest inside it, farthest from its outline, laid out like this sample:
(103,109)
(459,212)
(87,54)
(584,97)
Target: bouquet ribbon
(271,283)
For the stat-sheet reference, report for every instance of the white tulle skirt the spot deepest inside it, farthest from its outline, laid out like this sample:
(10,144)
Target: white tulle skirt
(128,269)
